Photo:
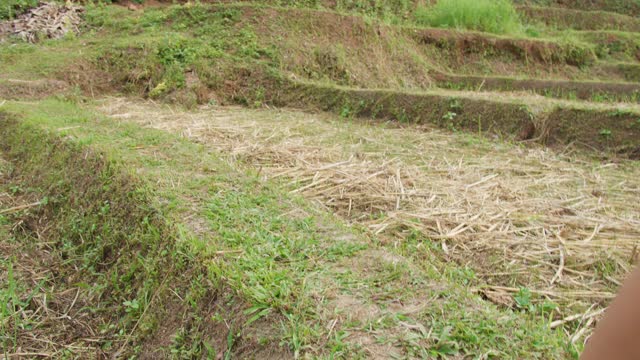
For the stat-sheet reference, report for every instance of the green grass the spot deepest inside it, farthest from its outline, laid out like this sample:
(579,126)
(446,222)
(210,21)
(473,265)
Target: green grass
(9,9)
(494,16)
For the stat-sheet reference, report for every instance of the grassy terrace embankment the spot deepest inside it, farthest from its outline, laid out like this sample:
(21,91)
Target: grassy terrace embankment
(255,63)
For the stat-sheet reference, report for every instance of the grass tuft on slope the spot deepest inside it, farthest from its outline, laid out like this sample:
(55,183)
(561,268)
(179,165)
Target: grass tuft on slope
(494,16)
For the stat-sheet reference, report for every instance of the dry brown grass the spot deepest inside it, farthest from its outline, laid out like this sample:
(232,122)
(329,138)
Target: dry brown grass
(562,225)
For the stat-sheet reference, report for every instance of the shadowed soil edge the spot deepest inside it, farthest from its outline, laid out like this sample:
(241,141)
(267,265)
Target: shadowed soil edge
(611,131)
(107,235)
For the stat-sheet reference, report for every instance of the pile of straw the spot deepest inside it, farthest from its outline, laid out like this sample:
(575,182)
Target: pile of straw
(49,20)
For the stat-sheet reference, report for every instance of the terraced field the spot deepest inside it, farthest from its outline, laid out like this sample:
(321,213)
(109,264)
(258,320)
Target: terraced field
(318,179)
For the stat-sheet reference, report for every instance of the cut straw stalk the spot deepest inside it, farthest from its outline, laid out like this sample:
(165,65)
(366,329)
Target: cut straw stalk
(19,208)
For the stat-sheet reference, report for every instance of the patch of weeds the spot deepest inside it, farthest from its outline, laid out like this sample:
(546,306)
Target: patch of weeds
(450,115)
(176,52)
(9,9)
(159,90)
(445,346)
(402,116)
(577,54)
(600,97)
(549,93)
(523,298)
(10,307)
(259,96)
(185,345)
(132,307)
(331,64)
(605,133)
(455,105)
(377,109)
(221,29)
(345,111)
(449,118)
(15,189)
(620,113)
(571,95)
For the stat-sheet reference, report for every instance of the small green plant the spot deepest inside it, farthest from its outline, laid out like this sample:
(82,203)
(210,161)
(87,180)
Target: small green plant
(619,113)
(345,111)
(455,105)
(450,115)
(605,133)
(532,31)
(15,189)
(445,345)
(176,52)
(494,16)
(158,90)
(402,116)
(231,340)
(185,345)
(132,306)
(523,299)
(448,118)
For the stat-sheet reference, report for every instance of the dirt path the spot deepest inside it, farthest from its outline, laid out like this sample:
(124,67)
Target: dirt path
(563,227)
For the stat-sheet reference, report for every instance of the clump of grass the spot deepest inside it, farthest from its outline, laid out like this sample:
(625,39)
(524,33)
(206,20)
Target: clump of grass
(494,16)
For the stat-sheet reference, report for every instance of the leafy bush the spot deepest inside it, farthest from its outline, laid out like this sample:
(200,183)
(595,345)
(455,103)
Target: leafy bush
(495,16)
(12,8)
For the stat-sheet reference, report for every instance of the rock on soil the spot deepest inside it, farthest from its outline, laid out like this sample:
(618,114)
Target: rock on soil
(49,20)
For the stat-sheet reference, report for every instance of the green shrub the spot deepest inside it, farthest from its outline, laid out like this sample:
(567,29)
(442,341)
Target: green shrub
(495,16)
(12,8)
